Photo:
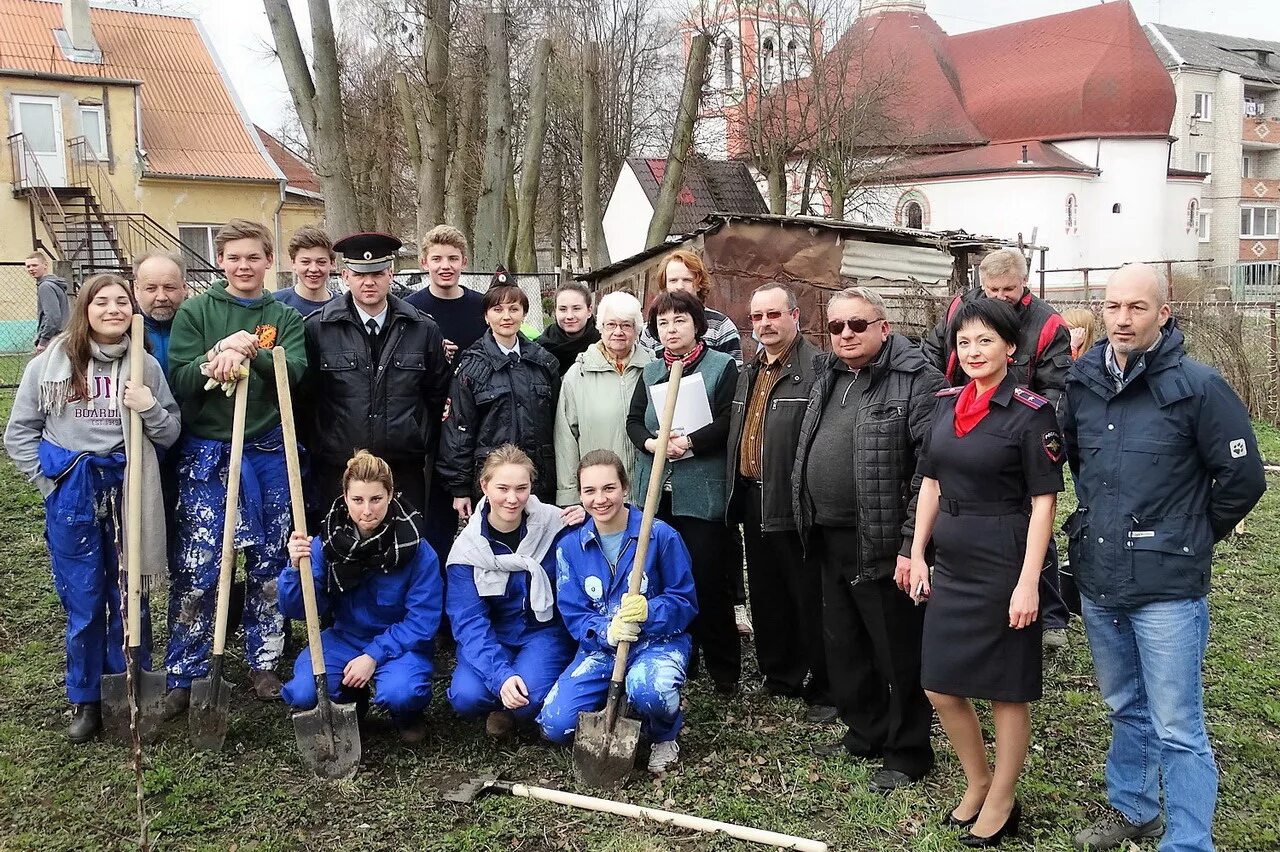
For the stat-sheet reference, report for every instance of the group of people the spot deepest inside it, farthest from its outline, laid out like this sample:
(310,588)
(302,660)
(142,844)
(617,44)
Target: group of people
(893,499)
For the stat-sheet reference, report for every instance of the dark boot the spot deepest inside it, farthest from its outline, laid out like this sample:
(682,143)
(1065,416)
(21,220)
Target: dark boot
(86,719)
(176,702)
(412,729)
(265,684)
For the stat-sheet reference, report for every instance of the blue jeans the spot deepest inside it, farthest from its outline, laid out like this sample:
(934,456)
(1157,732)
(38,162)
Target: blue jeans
(1148,662)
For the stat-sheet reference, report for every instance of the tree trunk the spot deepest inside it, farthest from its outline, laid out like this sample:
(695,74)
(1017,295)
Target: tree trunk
(535,135)
(513,222)
(491,207)
(592,214)
(435,132)
(777,179)
(664,208)
(839,193)
(557,213)
(457,204)
(805,206)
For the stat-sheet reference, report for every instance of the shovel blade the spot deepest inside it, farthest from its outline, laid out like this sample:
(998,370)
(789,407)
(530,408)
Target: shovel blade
(207,714)
(604,758)
(149,694)
(329,743)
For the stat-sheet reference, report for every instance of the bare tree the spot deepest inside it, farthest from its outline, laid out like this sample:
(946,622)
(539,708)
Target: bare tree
(664,207)
(491,207)
(535,134)
(592,212)
(318,100)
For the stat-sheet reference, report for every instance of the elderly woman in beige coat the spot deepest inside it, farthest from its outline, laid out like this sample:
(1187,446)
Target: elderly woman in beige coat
(596,392)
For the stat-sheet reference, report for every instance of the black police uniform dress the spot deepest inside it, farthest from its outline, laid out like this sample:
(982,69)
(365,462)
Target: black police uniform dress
(986,479)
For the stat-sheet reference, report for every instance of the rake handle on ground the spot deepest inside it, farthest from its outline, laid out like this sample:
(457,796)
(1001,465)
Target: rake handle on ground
(652,497)
(228,564)
(284,395)
(133,494)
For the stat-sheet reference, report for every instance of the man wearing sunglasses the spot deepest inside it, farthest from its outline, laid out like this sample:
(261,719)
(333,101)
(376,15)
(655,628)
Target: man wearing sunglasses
(764,427)
(854,490)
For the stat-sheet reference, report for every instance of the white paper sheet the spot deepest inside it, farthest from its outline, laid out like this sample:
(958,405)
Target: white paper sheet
(693,411)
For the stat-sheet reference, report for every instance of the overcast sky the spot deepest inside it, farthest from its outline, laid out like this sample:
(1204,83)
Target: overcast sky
(240,34)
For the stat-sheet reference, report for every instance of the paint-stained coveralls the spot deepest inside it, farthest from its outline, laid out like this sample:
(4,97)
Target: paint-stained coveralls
(391,615)
(73,451)
(511,626)
(263,526)
(590,593)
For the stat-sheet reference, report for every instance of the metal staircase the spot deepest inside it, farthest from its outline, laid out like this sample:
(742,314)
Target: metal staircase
(85,225)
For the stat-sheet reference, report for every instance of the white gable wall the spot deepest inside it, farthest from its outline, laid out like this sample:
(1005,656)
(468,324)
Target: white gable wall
(626,218)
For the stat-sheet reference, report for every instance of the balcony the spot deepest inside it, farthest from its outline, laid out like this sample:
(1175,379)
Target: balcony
(1259,189)
(1262,131)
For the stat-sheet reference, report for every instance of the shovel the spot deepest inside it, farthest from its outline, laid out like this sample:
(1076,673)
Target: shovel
(134,699)
(329,734)
(604,746)
(211,695)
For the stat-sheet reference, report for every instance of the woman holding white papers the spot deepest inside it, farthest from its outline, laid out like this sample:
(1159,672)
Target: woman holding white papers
(694,490)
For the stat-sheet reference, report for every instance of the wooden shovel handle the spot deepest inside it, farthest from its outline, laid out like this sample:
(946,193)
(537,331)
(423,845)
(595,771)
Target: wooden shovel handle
(651,499)
(133,493)
(284,396)
(232,509)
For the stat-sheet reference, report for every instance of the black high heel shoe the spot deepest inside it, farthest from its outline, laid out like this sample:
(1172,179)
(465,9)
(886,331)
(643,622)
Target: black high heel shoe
(949,820)
(1009,829)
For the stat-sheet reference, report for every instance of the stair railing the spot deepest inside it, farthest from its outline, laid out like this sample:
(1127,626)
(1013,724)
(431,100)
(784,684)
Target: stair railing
(29,179)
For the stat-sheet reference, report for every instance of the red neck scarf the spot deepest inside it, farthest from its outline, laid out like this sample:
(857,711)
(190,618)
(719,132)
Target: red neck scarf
(687,358)
(971,408)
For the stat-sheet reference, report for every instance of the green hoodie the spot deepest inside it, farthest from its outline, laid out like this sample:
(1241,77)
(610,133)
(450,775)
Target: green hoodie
(204,320)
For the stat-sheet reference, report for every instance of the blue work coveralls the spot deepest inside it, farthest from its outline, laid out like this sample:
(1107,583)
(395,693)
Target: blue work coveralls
(499,637)
(589,594)
(262,531)
(391,615)
(81,518)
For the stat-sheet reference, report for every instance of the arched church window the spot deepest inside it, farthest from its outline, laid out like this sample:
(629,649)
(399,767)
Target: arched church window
(913,213)
(727,57)
(793,57)
(766,59)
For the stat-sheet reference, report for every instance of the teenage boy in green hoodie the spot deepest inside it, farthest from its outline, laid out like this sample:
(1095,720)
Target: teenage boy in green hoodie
(233,325)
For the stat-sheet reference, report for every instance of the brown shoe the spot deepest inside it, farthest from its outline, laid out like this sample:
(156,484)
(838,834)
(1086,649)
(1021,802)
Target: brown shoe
(265,685)
(500,725)
(412,730)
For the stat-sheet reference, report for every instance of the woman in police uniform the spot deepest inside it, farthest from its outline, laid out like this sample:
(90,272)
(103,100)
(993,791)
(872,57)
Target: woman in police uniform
(992,469)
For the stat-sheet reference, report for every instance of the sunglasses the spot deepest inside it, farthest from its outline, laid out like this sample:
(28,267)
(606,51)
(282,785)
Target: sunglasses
(758,316)
(857,326)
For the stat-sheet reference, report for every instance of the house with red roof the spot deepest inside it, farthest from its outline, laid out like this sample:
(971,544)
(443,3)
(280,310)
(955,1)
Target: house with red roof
(1057,126)
(124,134)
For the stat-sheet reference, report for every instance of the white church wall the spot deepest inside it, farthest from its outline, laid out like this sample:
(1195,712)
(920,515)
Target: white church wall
(626,218)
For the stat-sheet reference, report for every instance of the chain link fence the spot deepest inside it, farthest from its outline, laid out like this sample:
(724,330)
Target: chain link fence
(17,321)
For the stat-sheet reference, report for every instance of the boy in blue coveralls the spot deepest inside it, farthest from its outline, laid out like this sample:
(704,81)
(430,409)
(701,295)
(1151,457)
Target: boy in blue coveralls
(381,581)
(512,644)
(593,566)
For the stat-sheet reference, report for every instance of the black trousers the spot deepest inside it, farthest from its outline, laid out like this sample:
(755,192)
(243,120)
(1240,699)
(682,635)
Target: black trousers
(713,629)
(786,607)
(872,633)
(1053,609)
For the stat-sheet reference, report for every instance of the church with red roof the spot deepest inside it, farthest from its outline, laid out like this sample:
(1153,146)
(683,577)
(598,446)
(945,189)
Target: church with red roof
(1057,126)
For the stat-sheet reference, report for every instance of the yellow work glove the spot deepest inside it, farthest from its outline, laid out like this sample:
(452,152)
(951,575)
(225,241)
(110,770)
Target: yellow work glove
(634,609)
(622,631)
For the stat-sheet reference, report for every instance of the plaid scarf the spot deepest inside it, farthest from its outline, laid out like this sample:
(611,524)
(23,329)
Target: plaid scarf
(389,548)
(688,358)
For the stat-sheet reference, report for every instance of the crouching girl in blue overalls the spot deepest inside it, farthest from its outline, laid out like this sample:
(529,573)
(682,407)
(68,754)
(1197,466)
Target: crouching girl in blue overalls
(67,433)
(381,581)
(593,566)
(512,644)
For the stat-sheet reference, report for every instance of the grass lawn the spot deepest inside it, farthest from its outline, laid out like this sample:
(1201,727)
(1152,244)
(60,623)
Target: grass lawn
(748,761)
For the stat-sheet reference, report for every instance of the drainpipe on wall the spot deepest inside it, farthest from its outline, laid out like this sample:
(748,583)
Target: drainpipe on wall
(280,232)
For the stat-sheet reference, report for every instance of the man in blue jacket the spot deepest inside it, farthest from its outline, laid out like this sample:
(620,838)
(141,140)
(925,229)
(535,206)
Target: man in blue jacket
(1165,464)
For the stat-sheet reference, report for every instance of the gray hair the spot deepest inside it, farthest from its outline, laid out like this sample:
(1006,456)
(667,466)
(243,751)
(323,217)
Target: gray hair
(172,256)
(866,294)
(1154,273)
(778,285)
(1002,262)
(620,305)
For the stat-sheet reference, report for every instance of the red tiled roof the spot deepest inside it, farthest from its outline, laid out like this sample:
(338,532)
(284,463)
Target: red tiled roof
(296,171)
(710,186)
(1089,72)
(191,124)
(1005,158)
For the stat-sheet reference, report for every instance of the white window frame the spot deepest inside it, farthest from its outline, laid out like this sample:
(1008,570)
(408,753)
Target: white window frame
(1267,229)
(99,144)
(1202,105)
(1206,158)
(1204,229)
(1246,166)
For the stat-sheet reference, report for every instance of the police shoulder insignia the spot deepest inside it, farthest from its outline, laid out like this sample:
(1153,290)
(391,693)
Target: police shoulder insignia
(949,392)
(1052,441)
(266,335)
(1029,398)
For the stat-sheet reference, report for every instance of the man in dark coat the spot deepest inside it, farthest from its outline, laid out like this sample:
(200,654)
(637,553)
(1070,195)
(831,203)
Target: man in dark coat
(52,300)
(854,491)
(1165,464)
(378,375)
(1040,363)
(764,428)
